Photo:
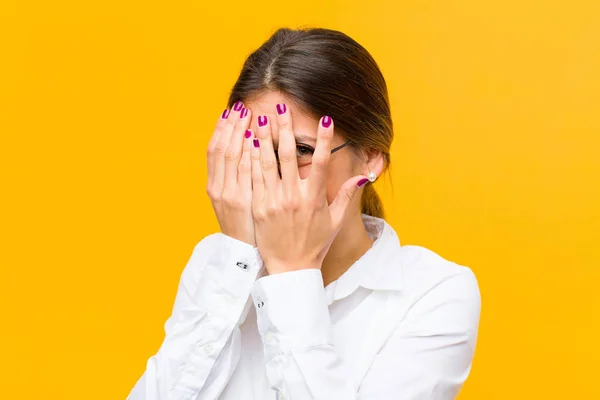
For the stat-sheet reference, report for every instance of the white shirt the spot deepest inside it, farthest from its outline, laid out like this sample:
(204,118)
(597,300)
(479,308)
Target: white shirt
(401,323)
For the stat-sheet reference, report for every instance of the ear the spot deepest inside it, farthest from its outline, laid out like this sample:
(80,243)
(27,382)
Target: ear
(374,161)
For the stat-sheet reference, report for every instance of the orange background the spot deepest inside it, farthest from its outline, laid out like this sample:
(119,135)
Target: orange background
(105,112)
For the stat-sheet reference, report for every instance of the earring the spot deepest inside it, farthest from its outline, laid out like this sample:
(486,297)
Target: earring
(371,177)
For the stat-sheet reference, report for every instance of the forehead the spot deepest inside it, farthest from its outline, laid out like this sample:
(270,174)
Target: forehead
(304,125)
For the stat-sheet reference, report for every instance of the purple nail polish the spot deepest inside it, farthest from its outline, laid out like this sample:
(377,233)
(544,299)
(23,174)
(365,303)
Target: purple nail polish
(244,112)
(262,120)
(362,182)
(256,143)
(248,133)
(281,108)
(225,114)
(237,106)
(326,121)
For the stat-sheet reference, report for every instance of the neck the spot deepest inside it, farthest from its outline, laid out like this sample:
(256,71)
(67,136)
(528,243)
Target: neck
(349,245)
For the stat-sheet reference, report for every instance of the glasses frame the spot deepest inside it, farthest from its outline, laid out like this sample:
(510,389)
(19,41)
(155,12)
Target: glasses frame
(332,151)
(340,147)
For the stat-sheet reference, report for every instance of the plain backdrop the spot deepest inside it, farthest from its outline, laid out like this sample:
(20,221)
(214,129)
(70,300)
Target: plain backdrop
(106,108)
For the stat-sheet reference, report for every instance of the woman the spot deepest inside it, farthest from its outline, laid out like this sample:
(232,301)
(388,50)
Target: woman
(307,292)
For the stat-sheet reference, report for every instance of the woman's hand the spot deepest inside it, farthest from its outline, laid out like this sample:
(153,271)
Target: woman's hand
(294,225)
(229,173)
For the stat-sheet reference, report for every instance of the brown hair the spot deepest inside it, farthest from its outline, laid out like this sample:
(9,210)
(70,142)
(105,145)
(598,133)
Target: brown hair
(325,72)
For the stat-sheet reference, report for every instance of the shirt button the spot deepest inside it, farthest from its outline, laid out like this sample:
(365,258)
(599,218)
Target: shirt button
(242,265)
(209,349)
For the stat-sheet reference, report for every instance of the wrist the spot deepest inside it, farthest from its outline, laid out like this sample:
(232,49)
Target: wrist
(280,267)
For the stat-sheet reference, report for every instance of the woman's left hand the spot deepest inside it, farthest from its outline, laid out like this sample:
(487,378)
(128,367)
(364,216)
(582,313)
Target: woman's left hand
(294,224)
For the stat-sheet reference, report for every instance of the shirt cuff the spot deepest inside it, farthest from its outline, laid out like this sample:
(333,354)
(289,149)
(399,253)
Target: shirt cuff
(227,278)
(292,311)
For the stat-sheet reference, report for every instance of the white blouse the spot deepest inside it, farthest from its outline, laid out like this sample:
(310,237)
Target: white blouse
(400,323)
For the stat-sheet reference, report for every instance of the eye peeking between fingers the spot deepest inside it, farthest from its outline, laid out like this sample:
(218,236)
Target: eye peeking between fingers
(304,154)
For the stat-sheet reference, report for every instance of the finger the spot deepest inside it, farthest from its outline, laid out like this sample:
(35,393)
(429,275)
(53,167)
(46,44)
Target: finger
(234,151)
(340,205)
(287,149)
(320,159)
(258,183)
(245,167)
(268,162)
(210,151)
(221,147)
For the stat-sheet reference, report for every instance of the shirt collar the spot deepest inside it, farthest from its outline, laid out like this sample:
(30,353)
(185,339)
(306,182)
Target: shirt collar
(379,268)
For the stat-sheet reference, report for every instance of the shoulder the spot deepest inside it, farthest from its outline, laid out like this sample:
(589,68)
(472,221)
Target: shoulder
(433,281)
(421,264)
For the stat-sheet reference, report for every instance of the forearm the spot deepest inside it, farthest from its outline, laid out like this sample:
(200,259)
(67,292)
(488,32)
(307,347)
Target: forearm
(199,351)
(294,323)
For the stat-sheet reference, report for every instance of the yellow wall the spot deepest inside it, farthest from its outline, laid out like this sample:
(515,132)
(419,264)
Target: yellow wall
(105,112)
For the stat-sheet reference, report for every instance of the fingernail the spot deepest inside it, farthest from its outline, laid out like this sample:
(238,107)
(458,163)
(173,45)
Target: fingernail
(362,182)
(225,114)
(262,120)
(244,112)
(256,143)
(326,121)
(248,133)
(281,109)
(237,106)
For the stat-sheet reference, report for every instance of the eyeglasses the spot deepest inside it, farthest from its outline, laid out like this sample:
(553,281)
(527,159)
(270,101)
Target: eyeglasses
(340,147)
(309,150)
(304,153)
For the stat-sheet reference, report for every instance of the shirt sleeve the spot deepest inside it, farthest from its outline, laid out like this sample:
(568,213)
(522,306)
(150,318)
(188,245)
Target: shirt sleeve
(202,340)
(428,357)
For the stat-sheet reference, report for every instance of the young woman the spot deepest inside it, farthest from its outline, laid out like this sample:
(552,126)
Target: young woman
(307,292)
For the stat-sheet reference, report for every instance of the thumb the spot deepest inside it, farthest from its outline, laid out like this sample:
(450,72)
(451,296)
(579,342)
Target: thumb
(345,195)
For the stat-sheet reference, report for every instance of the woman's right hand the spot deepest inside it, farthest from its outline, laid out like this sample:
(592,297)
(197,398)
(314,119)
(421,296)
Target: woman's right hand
(229,167)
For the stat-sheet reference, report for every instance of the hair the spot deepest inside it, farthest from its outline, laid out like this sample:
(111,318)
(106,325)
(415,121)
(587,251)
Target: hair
(325,72)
